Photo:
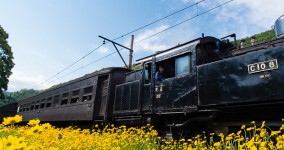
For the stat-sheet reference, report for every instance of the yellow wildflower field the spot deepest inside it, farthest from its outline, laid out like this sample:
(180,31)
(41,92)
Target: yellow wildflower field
(35,136)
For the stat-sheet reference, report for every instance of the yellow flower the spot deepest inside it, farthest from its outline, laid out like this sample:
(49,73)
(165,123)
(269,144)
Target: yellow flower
(250,143)
(262,133)
(262,124)
(13,143)
(45,136)
(35,129)
(12,120)
(282,127)
(243,127)
(262,144)
(34,122)
(46,126)
(250,128)
(217,144)
(18,118)
(253,122)
(228,138)
(6,121)
(253,148)
(274,133)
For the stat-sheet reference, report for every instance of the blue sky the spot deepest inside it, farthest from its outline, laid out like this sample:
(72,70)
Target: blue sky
(48,35)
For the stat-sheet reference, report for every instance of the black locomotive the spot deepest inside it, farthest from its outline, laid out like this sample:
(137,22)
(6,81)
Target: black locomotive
(208,82)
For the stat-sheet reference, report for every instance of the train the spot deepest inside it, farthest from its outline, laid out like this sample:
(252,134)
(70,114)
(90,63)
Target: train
(209,83)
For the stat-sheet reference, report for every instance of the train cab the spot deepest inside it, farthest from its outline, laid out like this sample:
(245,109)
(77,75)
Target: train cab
(175,93)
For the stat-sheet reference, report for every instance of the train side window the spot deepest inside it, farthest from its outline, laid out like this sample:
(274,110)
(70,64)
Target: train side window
(42,104)
(55,100)
(147,73)
(21,108)
(28,107)
(182,65)
(48,103)
(33,106)
(64,99)
(37,105)
(87,93)
(75,96)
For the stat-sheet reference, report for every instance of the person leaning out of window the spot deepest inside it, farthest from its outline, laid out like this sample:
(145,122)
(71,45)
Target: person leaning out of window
(159,76)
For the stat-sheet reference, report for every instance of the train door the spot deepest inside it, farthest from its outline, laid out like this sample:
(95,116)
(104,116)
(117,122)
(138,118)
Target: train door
(101,98)
(147,86)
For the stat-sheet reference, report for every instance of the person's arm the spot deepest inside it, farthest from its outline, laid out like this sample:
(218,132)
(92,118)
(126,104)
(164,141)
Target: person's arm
(158,76)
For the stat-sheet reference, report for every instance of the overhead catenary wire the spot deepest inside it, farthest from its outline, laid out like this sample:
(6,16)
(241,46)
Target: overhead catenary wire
(84,66)
(128,33)
(184,21)
(70,65)
(173,26)
(158,20)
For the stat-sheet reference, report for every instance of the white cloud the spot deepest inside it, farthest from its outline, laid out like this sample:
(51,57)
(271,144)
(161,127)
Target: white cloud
(153,43)
(103,50)
(246,17)
(165,39)
(20,80)
(261,13)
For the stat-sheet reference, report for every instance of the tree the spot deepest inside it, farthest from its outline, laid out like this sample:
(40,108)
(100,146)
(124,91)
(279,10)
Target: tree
(261,37)
(6,61)
(18,95)
(24,93)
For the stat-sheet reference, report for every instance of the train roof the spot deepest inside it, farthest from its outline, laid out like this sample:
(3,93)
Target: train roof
(96,73)
(180,48)
(8,105)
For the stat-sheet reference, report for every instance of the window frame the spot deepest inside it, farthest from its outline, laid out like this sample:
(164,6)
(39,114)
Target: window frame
(188,65)
(42,102)
(64,98)
(149,75)
(188,54)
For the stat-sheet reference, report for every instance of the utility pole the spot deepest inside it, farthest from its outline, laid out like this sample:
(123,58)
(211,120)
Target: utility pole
(131,52)
(130,49)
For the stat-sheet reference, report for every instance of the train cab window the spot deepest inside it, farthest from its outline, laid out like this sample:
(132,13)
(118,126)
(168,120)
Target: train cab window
(42,104)
(169,68)
(64,99)
(55,100)
(75,96)
(33,106)
(87,94)
(48,103)
(174,67)
(182,65)
(37,105)
(147,73)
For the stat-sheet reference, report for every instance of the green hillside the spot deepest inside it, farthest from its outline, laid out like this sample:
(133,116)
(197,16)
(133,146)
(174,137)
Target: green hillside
(261,37)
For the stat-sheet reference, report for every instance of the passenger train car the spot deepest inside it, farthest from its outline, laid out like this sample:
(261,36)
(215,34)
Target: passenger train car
(89,98)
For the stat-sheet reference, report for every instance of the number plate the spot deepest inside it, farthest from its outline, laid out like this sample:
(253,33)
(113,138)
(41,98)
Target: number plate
(262,66)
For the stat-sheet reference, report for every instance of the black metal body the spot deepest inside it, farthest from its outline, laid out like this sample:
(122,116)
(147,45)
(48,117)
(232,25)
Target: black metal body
(8,110)
(89,98)
(217,88)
